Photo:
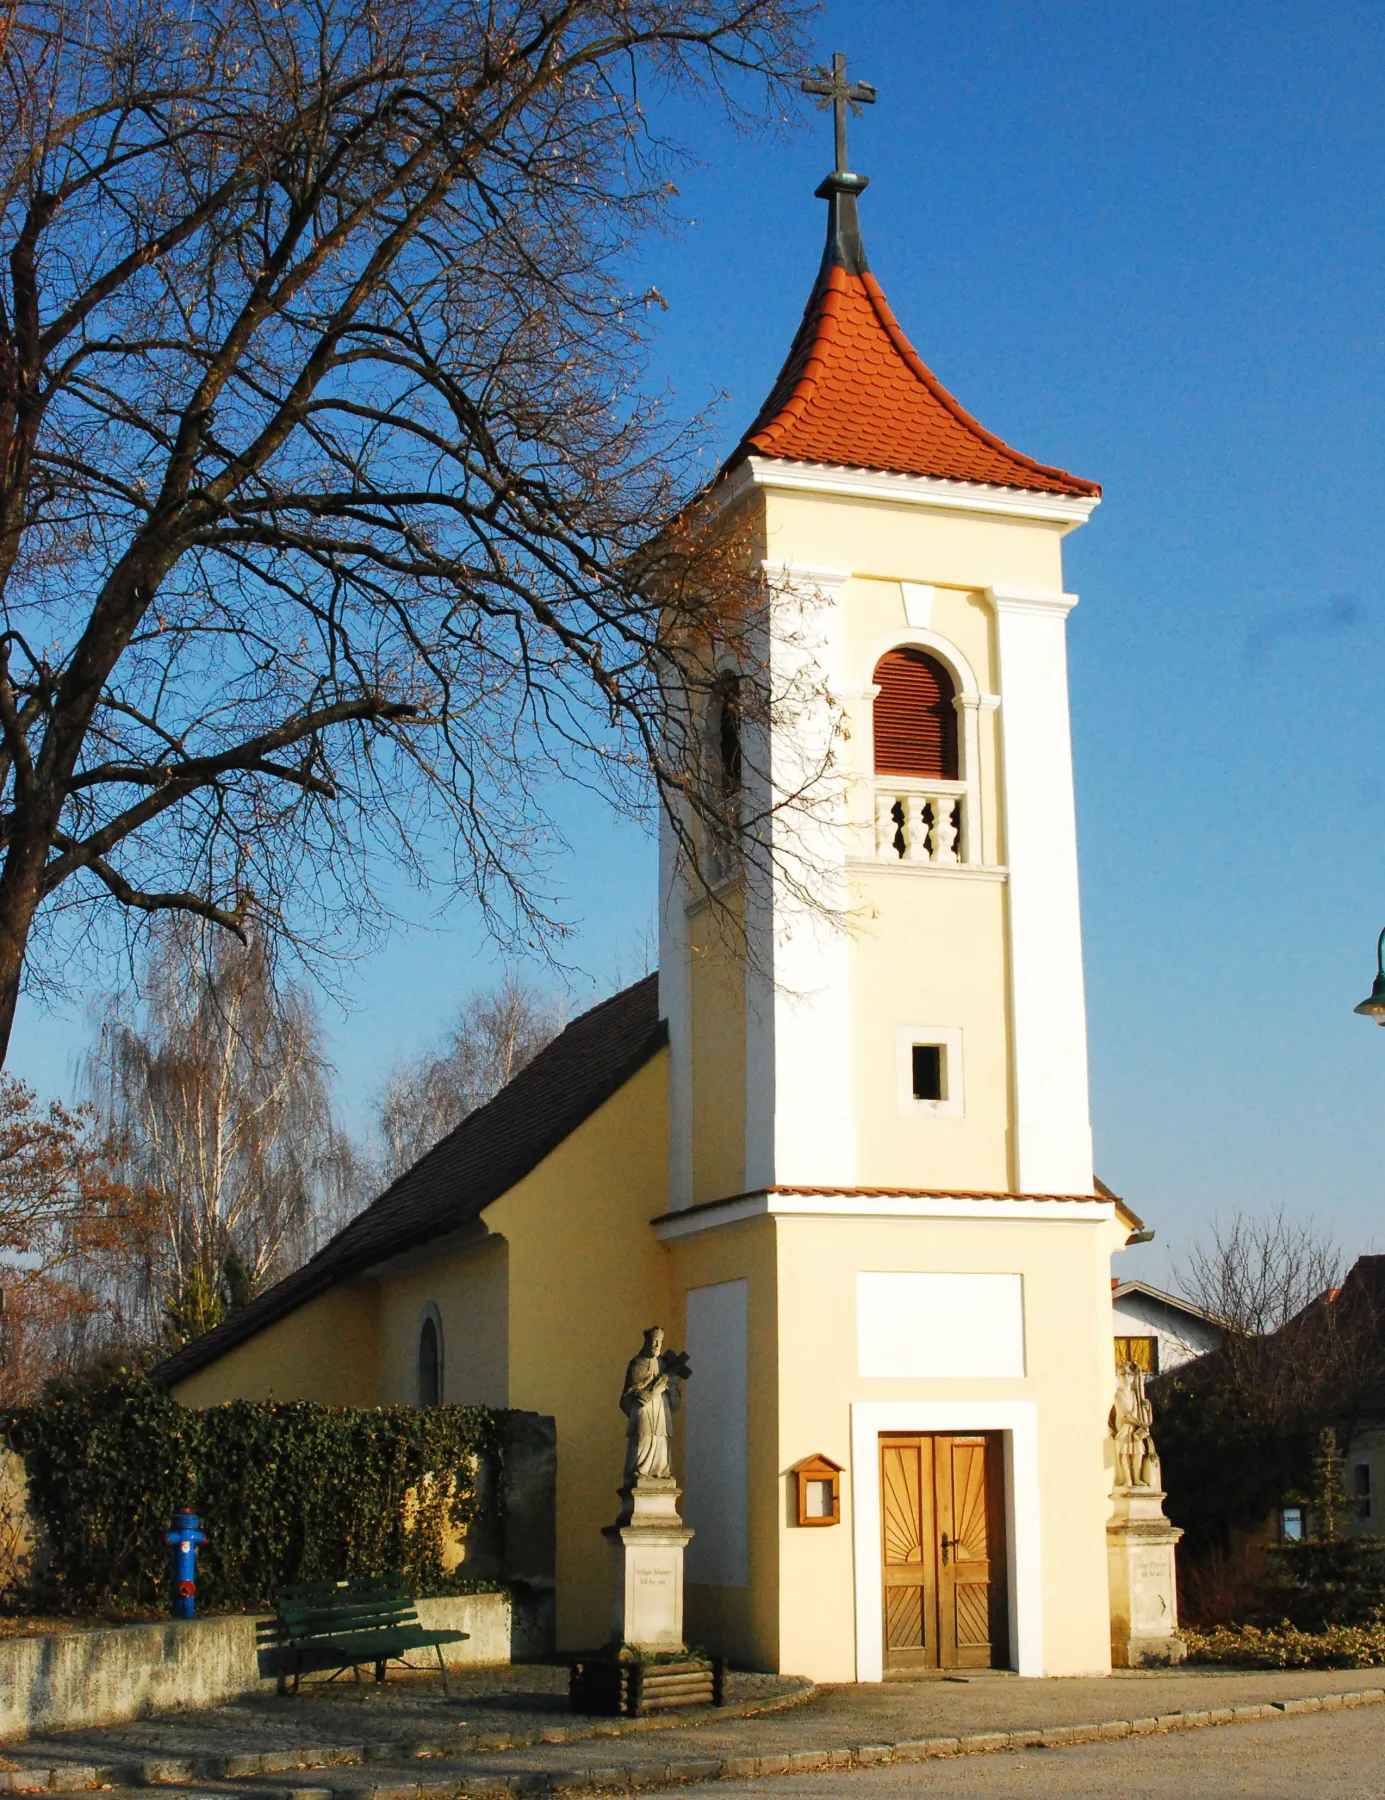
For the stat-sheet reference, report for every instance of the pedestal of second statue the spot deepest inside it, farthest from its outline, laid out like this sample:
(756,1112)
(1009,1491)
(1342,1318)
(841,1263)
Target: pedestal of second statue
(1144,1589)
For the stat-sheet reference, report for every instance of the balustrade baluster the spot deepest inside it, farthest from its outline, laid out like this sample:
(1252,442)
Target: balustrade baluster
(885,827)
(917,834)
(944,833)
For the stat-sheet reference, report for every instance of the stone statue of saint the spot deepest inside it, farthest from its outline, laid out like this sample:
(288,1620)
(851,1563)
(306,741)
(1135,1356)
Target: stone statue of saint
(653,1392)
(1131,1421)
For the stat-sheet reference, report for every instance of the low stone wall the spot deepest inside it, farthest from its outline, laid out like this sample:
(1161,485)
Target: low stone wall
(64,1680)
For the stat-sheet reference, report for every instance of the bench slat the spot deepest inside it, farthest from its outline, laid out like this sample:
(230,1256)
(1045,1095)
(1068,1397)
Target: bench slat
(344,1620)
(359,1620)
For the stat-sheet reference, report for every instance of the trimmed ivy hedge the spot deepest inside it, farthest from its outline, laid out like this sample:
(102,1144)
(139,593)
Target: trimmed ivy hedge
(286,1492)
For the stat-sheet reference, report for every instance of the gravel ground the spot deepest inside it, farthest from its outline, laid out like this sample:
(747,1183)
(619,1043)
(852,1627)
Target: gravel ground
(486,1709)
(507,1729)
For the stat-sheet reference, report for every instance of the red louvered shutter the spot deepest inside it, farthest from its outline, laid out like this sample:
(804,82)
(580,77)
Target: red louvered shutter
(915,720)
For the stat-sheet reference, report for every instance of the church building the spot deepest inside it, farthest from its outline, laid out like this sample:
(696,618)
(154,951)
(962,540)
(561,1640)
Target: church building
(841,1153)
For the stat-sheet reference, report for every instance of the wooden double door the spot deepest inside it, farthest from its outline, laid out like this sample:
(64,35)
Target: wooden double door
(943,1552)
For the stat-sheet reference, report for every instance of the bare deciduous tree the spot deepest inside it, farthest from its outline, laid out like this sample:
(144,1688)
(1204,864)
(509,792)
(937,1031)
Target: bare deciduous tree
(63,1213)
(1257,1273)
(495,1035)
(219,1096)
(1290,1344)
(332,520)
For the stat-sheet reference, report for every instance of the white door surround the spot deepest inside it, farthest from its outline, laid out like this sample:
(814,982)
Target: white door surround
(1017,1422)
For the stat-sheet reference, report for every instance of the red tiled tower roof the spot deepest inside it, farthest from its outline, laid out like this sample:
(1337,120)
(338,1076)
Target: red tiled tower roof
(855,393)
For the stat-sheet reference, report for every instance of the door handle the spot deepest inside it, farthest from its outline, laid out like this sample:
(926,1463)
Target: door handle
(948,1544)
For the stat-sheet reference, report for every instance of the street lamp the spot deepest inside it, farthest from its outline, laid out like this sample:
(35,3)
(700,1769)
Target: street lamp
(1374,1008)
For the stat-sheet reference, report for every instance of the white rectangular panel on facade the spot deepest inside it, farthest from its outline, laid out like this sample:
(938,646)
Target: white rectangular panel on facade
(949,1326)
(715,1501)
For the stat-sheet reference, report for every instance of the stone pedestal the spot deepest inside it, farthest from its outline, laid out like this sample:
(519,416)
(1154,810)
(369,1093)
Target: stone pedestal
(647,1543)
(1144,1595)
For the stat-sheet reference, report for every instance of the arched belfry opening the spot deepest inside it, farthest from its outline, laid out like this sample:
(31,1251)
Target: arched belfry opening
(915,719)
(726,734)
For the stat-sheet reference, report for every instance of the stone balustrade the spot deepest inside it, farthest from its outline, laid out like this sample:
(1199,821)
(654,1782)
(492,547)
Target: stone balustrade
(919,821)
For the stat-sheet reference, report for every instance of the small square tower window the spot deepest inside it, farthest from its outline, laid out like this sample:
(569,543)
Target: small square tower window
(929,1070)
(930,1065)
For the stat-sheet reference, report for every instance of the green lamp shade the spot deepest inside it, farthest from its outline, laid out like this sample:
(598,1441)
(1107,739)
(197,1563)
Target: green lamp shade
(1374,1008)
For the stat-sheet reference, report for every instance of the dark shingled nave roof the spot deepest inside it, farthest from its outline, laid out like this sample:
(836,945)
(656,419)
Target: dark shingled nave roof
(483,1158)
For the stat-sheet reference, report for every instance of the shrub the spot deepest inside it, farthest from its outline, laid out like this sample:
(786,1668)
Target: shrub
(286,1492)
(1286,1647)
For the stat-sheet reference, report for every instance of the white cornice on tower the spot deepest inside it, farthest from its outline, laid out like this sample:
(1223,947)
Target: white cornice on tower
(831,482)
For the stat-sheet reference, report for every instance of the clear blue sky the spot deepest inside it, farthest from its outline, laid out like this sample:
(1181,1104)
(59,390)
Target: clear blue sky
(1145,243)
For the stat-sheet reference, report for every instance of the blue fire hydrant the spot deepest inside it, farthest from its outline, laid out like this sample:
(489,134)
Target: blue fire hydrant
(183,1539)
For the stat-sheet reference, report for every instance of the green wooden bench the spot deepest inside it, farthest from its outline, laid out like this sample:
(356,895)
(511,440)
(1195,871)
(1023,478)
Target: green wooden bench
(340,1625)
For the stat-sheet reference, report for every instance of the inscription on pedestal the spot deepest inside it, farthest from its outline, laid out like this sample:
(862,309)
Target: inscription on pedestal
(653,1609)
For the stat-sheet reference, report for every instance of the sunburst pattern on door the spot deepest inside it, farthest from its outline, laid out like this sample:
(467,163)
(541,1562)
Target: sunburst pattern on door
(903,1469)
(970,1547)
(969,1502)
(902,1476)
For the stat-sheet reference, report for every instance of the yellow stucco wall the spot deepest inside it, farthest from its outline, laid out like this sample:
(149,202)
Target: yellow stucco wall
(543,1315)
(901,915)
(587,1275)
(328,1351)
(898,983)
(799,1611)
(1067,1377)
(891,541)
(873,613)
(741,1623)
(470,1289)
(717,982)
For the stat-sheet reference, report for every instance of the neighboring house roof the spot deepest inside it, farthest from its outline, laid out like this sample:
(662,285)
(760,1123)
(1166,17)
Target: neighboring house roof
(1174,1302)
(1358,1306)
(475,1164)
(854,392)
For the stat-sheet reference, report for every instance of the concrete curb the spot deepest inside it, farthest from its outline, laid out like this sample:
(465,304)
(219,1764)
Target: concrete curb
(635,1777)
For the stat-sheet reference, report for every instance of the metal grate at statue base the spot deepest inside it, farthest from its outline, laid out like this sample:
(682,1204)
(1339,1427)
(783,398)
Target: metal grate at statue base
(610,1685)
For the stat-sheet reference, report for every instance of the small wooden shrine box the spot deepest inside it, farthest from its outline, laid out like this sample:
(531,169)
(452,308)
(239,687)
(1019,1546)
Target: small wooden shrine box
(819,1490)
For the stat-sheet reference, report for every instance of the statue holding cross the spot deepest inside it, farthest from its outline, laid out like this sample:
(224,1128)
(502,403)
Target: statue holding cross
(832,89)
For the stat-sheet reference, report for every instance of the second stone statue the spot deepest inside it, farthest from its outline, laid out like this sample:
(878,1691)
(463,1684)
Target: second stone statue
(646,1664)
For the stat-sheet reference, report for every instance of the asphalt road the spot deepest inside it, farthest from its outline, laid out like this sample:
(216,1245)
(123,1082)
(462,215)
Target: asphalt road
(1318,1756)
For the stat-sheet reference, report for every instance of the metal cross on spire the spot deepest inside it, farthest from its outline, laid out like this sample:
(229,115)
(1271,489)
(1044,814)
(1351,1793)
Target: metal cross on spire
(833,89)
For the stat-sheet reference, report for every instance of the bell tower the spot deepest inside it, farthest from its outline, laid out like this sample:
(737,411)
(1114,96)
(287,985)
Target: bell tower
(917,1023)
